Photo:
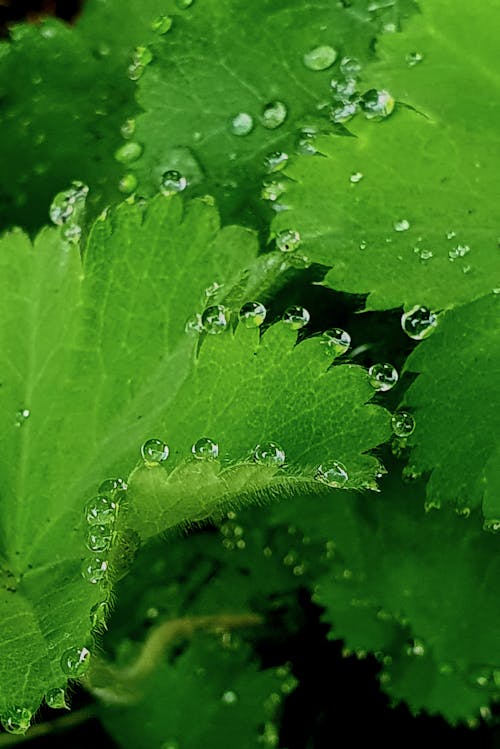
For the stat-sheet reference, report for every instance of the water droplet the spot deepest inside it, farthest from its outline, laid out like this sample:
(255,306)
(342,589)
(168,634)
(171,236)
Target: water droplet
(344,113)
(229,698)
(287,240)
(94,569)
(344,91)
(205,449)
(142,56)
(21,416)
(363,245)
(269,454)
(75,661)
(320,58)
(419,322)
(215,319)
(194,325)
(67,203)
(382,377)
(135,71)
(332,473)
(98,615)
(154,452)
(272,190)
(423,254)
(184,4)
(241,124)
(306,142)
(463,511)
(101,510)
(72,233)
(377,104)
(128,128)
(401,225)
(99,537)
(335,341)
(274,115)
(403,424)
(172,182)
(16,719)
(461,250)
(275,161)
(56,698)
(252,314)
(416,647)
(128,183)
(492,525)
(113,488)
(162,24)
(350,67)
(128,152)
(296,317)
(413,58)
(356,177)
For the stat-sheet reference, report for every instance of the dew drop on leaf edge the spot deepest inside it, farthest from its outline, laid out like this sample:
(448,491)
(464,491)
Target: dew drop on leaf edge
(94,570)
(215,319)
(172,182)
(274,114)
(205,449)
(269,454)
(252,314)
(403,424)
(128,152)
(56,698)
(335,341)
(419,322)
(332,473)
(154,452)
(296,317)
(162,24)
(75,661)
(16,720)
(101,509)
(377,104)
(287,240)
(382,376)
(99,537)
(113,488)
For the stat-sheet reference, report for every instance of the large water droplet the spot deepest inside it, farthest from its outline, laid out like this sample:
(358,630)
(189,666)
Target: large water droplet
(241,123)
(229,698)
(205,449)
(332,473)
(350,67)
(403,424)
(154,452)
(56,698)
(269,454)
(287,240)
(101,510)
(274,114)
(335,341)
(296,317)
(215,319)
(252,314)
(128,152)
(16,719)
(99,537)
(162,24)
(419,322)
(382,377)
(94,570)
(172,182)
(413,58)
(377,105)
(75,661)
(320,58)
(275,161)
(344,113)
(401,225)
(128,183)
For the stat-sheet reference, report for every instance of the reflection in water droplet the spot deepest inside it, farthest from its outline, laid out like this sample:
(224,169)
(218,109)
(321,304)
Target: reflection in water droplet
(269,454)
(162,24)
(252,314)
(276,161)
(94,570)
(356,177)
(154,452)
(99,537)
(350,67)
(16,720)
(22,416)
(419,322)
(332,473)
(75,661)
(194,325)
(101,510)
(205,449)
(296,317)
(403,424)
(215,319)
(344,113)
(56,698)
(287,240)
(413,58)
(377,105)
(306,141)
(128,128)
(335,341)
(320,58)
(461,250)
(172,182)
(68,203)
(401,225)
(241,123)
(274,114)
(382,377)
(272,190)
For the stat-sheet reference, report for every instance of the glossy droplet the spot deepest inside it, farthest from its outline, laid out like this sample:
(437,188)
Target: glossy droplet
(162,24)
(66,203)
(113,488)
(194,325)
(205,449)
(128,128)
(320,58)
(296,317)
(101,510)
(75,661)
(492,525)
(306,141)
(128,184)
(419,322)
(172,182)
(287,240)
(382,377)
(377,105)
(275,161)
(215,319)
(94,570)
(401,225)
(356,177)
(344,91)
(269,454)
(241,124)
(56,698)
(142,56)
(16,720)
(403,424)
(252,314)
(98,615)
(184,4)
(272,190)
(128,152)
(154,452)
(332,473)
(335,341)
(22,416)
(350,67)
(461,250)
(229,698)
(99,537)
(413,58)
(274,114)
(344,113)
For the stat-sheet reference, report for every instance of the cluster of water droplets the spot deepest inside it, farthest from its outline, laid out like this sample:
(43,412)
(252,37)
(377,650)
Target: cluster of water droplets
(67,210)
(101,513)
(376,104)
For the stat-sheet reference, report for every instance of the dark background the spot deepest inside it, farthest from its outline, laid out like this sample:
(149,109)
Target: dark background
(350,705)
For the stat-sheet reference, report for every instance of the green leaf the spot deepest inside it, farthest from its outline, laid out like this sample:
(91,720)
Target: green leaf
(96,361)
(456,435)
(428,164)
